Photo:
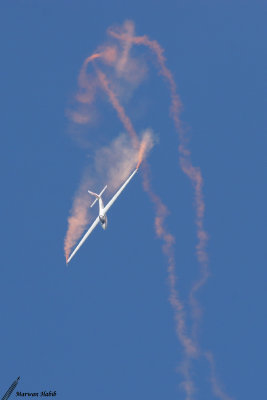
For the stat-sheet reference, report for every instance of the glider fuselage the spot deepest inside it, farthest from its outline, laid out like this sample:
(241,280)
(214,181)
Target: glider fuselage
(102,215)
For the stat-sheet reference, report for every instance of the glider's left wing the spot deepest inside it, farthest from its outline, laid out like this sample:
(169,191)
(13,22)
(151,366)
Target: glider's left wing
(90,230)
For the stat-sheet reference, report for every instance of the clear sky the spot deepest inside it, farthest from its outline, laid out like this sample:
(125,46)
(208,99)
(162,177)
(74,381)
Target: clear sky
(103,328)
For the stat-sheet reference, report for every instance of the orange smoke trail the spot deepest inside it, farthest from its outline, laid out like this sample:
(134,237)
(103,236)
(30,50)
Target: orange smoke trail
(82,79)
(192,172)
(188,345)
(76,224)
(195,176)
(129,27)
(168,240)
(168,248)
(88,60)
(78,220)
(118,107)
(141,154)
(217,390)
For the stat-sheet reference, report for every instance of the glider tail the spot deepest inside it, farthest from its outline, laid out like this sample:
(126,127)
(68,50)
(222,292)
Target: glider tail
(98,196)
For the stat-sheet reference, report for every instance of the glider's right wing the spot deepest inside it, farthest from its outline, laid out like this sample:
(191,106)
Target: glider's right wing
(90,230)
(116,195)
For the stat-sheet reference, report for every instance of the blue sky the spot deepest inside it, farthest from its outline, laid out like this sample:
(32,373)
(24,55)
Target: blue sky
(103,328)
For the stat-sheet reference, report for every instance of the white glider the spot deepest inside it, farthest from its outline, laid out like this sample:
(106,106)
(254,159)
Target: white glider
(102,217)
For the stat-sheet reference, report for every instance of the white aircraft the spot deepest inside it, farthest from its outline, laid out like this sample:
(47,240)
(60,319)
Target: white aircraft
(102,217)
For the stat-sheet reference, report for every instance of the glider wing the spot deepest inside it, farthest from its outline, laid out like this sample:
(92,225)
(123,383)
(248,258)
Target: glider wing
(116,195)
(90,230)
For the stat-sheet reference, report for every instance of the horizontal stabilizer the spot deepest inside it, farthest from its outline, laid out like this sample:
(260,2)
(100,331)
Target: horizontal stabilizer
(96,195)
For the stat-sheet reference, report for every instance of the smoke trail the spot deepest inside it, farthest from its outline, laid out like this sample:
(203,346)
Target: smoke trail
(188,346)
(114,163)
(168,240)
(216,387)
(79,215)
(87,86)
(145,146)
(122,62)
(118,107)
(194,174)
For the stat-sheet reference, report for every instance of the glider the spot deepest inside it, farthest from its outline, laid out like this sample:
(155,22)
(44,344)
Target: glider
(102,217)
